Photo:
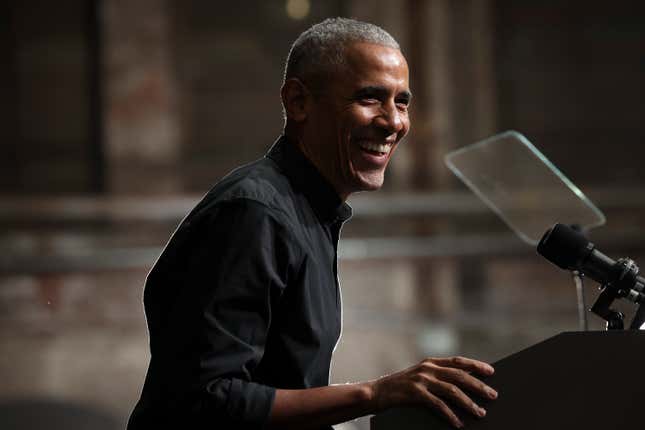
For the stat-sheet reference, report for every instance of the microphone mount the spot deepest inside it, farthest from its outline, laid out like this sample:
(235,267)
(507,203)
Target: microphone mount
(622,284)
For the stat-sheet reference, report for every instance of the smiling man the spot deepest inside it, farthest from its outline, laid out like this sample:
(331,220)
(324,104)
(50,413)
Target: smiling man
(243,306)
(349,126)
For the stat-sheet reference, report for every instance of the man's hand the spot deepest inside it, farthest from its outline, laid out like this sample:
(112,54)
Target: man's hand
(437,383)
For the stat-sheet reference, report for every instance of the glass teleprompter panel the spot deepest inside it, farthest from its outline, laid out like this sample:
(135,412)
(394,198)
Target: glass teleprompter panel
(522,186)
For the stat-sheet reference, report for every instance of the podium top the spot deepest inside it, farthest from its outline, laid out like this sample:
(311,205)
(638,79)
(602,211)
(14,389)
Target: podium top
(575,380)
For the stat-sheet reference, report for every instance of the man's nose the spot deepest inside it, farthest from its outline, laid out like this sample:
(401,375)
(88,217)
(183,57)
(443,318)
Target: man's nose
(390,118)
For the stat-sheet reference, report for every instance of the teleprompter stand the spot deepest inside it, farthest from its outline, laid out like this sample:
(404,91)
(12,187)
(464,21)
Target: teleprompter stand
(575,380)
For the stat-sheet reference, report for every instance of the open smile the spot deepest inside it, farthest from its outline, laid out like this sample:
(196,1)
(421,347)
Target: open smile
(375,148)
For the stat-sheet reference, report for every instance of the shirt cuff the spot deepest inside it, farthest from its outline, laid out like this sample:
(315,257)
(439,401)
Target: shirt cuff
(247,403)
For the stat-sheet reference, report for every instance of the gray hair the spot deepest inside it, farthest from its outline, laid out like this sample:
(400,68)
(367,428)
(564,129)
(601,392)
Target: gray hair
(319,49)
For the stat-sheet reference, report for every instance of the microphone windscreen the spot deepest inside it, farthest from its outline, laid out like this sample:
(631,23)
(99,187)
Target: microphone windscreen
(563,246)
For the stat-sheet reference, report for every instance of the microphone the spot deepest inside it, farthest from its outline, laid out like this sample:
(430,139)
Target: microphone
(570,250)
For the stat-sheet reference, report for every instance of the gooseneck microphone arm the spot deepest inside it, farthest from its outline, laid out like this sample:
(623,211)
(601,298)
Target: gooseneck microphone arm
(570,250)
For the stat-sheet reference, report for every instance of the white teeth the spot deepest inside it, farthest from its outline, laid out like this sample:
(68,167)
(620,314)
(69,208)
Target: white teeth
(376,147)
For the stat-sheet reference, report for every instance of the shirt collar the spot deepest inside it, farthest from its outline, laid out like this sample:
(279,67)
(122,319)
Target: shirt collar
(305,177)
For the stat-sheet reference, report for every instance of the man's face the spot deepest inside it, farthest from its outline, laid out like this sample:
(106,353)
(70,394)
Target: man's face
(355,124)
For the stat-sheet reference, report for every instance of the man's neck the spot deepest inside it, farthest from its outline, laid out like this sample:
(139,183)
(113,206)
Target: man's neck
(297,140)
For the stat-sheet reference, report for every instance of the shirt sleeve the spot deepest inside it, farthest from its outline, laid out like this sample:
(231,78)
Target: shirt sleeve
(242,262)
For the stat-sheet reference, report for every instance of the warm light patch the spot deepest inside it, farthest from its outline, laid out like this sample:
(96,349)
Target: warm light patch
(297,9)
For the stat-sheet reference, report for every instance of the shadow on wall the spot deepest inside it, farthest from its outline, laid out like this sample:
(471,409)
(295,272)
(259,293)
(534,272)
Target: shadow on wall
(36,414)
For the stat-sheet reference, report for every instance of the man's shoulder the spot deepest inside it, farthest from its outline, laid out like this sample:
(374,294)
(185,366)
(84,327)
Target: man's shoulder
(261,183)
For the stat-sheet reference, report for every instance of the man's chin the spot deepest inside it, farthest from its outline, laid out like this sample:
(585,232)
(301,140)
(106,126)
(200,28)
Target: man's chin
(369,182)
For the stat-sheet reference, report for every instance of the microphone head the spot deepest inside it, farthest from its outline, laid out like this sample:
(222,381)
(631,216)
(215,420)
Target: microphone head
(564,247)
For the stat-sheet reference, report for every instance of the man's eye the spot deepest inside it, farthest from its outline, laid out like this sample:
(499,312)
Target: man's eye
(402,105)
(369,99)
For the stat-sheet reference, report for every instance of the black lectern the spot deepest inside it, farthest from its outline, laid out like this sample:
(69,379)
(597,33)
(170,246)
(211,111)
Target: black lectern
(577,380)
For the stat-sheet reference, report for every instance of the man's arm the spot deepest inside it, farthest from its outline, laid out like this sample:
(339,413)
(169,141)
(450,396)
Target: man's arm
(239,263)
(435,383)
(236,316)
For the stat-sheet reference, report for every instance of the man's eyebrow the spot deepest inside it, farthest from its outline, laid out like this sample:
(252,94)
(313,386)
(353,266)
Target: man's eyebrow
(407,94)
(371,90)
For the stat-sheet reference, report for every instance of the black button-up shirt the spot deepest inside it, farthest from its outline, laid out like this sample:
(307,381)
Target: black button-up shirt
(244,298)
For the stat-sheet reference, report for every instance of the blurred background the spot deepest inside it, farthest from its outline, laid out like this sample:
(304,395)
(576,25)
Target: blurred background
(117,116)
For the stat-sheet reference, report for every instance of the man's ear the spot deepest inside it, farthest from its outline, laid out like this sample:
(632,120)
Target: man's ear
(295,97)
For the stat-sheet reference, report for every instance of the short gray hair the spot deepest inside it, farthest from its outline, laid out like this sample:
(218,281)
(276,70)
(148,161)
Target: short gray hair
(321,47)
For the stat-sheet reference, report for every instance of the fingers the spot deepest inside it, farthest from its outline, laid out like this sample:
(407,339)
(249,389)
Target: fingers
(465,364)
(457,397)
(465,380)
(440,406)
